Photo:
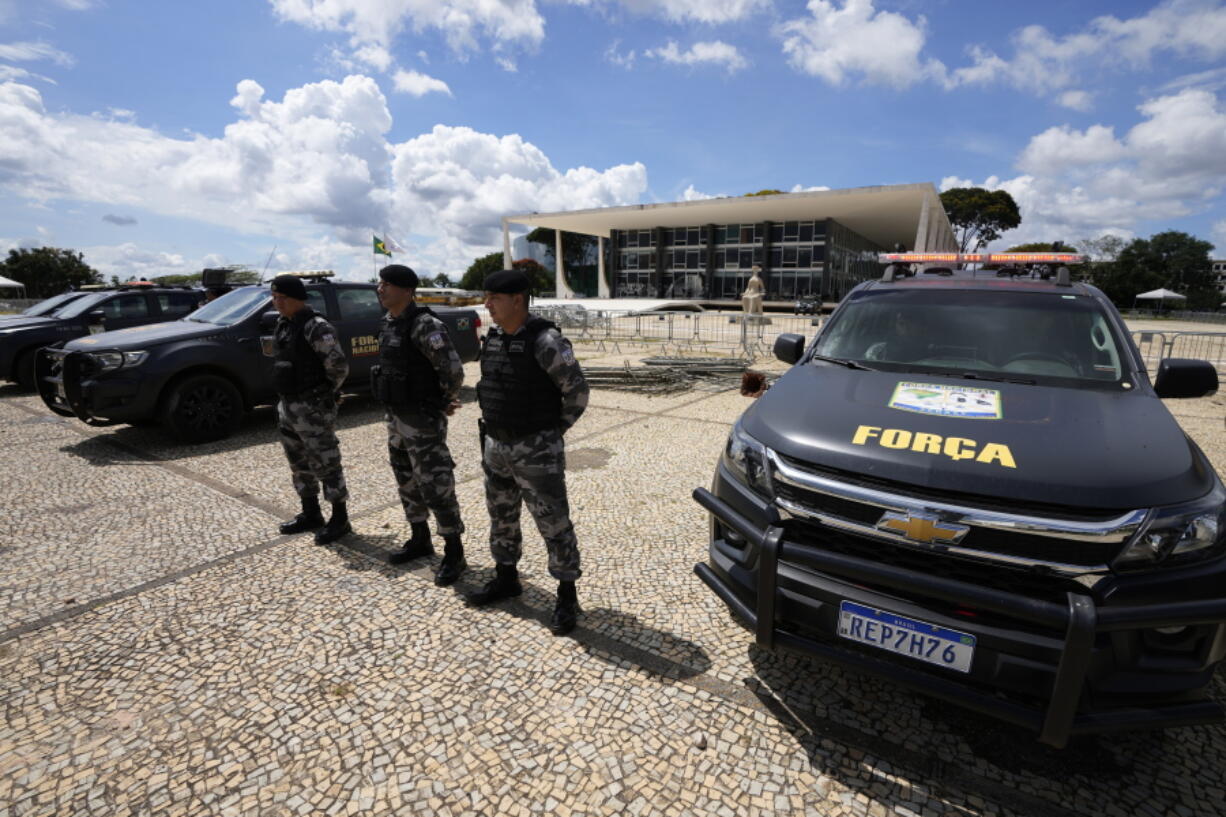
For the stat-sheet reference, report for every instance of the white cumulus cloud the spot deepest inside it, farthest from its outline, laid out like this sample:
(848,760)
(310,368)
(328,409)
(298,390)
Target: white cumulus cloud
(315,166)
(694,11)
(464,23)
(716,52)
(461,182)
(849,40)
(417,84)
(1043,62)
(1079,183)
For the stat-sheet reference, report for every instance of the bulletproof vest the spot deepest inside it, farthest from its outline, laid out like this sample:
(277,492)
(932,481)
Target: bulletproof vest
(297,368)
(516,395)
(407,376)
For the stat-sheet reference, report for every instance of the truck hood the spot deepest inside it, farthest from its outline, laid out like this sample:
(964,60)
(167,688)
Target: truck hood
(1079,448)
(142,337)
(25,322)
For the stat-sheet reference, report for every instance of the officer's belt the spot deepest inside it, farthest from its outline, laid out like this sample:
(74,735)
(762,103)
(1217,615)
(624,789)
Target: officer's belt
(506,435)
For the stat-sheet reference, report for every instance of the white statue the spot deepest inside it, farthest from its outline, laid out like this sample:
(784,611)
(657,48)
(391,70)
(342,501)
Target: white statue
(751,298)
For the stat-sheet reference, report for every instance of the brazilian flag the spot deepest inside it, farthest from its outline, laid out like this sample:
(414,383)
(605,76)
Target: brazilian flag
(381,248)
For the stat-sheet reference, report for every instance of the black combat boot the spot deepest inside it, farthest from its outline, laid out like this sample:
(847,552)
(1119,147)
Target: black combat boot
(453,561)
(415,547)
(566,612)
(504,585)
(310,518)
(337,526)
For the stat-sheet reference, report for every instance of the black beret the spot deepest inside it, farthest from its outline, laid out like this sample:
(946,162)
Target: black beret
(290,285)
(399,275)
(508,280)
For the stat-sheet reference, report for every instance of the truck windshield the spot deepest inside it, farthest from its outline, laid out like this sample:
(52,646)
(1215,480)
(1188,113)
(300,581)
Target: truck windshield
(51,304)
(1007,335)
(233,307)
(81,305)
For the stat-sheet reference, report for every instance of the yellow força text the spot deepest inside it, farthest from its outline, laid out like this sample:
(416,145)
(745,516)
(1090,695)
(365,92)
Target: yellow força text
(956,448)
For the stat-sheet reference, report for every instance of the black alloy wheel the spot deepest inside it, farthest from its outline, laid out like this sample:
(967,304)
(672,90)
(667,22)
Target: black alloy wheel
(202,408)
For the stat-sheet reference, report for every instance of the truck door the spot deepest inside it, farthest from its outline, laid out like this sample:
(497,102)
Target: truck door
(122,311)
(358,321)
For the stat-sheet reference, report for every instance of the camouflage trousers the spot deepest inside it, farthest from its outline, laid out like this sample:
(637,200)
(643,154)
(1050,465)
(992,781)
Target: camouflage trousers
(425,472)
(532,470)
(309,439)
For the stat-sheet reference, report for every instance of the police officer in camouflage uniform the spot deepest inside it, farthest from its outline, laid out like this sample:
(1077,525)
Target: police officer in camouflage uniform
(308,372)
(418,379)
(531,392)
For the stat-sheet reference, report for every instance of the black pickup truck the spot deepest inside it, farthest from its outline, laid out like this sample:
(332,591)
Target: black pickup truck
(77,314)
(197,376)
(971,486)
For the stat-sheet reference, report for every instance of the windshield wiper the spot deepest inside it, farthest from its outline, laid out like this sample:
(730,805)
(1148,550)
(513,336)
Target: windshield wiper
(851,364)
(972,376)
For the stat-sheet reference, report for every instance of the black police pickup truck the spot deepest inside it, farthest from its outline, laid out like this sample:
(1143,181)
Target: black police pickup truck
(198,375)
(971,486)
(82,313)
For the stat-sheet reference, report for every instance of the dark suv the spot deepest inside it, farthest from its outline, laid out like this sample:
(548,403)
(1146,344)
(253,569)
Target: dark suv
(970,485)
(95,311)
(197,376)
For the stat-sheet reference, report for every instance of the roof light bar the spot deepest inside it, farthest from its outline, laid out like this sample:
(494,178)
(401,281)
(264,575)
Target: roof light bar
(981,258)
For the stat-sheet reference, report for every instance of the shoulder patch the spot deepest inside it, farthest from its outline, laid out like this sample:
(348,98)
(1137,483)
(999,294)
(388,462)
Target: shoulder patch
(568,356)
(436,340)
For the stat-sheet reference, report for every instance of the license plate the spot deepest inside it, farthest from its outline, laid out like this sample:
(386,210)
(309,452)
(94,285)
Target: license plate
(906,636)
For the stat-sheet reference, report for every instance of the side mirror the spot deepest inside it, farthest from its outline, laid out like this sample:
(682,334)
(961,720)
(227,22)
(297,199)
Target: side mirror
(97,316)
(268,320)
(1179,377)
(789,347)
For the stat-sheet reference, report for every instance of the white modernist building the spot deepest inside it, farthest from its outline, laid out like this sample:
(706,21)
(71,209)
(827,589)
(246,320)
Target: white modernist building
(816,244)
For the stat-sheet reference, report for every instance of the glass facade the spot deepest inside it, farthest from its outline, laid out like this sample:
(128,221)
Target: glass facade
(798,259)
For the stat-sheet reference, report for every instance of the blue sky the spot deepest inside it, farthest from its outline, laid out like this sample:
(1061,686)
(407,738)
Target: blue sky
(161,137)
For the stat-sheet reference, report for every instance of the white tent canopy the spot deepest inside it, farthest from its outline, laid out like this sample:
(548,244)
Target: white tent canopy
(1161,295)
(9,282)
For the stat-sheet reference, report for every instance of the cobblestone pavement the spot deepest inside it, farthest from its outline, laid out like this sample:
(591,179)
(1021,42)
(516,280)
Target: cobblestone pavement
(164,651)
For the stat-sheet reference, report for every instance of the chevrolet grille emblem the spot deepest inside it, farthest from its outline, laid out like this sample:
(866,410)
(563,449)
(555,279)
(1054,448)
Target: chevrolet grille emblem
(922,528)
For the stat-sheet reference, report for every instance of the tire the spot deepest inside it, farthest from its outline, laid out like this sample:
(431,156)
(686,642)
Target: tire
(202,408)
(23,370)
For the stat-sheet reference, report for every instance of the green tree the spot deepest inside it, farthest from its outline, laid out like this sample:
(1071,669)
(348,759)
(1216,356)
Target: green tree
(542,279)
(1102,252)
(1042,246)
(767,192)
(1173,260)
(441,280)
(474,276)
(979,216)
(48,271)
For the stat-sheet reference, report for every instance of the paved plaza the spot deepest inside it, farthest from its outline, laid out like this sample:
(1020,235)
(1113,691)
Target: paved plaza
(164,651)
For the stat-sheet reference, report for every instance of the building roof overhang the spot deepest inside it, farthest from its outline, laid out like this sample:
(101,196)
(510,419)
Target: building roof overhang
(885,215)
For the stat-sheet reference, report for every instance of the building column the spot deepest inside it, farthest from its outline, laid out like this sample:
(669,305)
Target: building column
(921,233)
(602,283)
(561,290)
(506,245)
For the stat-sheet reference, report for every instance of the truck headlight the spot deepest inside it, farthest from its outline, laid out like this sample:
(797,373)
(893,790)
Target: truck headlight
(1179,533)
(110,361)
(746,457)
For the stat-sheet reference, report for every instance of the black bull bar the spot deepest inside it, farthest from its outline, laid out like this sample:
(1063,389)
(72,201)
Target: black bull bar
(68,375)
(1079,618)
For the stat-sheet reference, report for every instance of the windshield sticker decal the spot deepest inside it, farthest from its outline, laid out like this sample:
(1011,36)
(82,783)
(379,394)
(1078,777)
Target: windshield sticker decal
(947,401)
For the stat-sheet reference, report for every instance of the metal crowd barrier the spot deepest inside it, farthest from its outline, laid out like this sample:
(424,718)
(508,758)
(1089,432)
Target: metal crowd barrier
(1209,346)
(681,333)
